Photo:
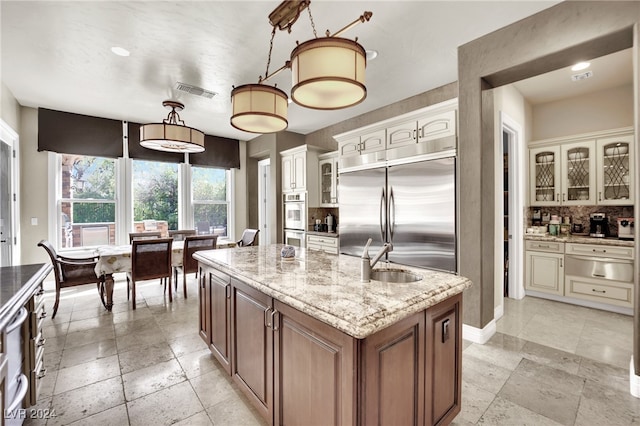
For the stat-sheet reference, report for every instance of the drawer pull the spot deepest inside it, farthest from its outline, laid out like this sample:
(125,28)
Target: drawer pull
(598,291)
(42,315)
(41,342)
(599,275)
(42,373)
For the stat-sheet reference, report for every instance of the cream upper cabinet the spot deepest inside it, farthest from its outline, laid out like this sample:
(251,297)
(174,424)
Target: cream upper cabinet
(578,173)
(615,170)
(293,172)
(544,169)
(428,128)
(300,172)
(372,142)
(328,179)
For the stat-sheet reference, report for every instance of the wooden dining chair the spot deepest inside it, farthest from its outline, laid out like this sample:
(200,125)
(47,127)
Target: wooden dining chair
(192,244)
(69,272)
(181,234)
(248,238)
(150,259)
(144,235)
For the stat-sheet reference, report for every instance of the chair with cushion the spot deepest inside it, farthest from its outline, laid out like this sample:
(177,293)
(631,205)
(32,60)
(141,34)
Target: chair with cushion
(150,259)
(248,238)
(192,244)
(144,235)
(181,234)
(70,272)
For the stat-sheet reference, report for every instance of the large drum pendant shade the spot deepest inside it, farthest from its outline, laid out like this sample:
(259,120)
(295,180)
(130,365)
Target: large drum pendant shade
(328,73)
(258,108)
(172,135)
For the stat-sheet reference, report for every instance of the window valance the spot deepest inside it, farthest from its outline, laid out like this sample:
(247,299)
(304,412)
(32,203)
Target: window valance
(69,133)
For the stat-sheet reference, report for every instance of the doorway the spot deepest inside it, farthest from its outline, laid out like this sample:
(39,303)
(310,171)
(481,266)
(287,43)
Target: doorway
(264,203)
(9,250)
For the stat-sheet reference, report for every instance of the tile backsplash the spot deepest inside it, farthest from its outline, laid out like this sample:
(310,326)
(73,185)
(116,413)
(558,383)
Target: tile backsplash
(580,214)
(321,213)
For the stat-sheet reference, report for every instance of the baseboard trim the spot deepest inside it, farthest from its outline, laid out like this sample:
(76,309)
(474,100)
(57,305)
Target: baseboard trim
(479,335)
(634,380)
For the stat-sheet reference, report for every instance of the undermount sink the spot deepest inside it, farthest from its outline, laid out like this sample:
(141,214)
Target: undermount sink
(394,276)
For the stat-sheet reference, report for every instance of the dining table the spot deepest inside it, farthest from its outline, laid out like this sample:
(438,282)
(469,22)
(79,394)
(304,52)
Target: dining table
(117,258)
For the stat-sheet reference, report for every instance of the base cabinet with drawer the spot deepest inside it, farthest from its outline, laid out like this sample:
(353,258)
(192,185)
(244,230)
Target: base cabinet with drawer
(544,267)
(322,243)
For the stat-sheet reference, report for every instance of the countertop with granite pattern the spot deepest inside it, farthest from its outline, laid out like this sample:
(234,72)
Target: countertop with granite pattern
(579,239)
(323,234)
(17,285)
(328,288)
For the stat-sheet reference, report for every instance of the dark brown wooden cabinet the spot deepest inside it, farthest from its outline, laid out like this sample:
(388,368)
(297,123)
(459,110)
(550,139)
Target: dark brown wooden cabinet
(393,367)
(295,369)
(252,352)
(443,361)
(215,314)
(315,378)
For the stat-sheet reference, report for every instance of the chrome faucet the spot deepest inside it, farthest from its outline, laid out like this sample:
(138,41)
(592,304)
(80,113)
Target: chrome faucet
(366,264)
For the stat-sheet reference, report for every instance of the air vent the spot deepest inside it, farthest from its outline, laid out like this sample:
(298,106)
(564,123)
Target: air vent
(582,76)
(194,90)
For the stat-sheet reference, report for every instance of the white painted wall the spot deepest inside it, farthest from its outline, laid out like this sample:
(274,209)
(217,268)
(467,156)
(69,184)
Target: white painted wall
(508,100)
(602,110)
(9,108)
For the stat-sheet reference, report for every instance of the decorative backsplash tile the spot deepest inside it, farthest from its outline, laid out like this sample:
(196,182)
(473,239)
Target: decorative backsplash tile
(580,214)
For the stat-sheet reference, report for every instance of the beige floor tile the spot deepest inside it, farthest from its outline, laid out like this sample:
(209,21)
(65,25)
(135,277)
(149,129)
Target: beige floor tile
(165,407)
(234,412)
(605,374)
(551,357)
(91,323)
(116,416)
(86,401)
(54,344)
(94,335)
(602,405)
(213,388)
(503,412)
(545,330)
(188,343)
(501,350)
(144,356)
(200,419)
(85,374)
(139,338)
(80,354)
(152,379)
(475,402)
(146,324)
(198,363)
(483,374)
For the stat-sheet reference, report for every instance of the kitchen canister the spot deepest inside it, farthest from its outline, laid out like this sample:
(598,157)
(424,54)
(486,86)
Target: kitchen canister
(288,252)
(554,227)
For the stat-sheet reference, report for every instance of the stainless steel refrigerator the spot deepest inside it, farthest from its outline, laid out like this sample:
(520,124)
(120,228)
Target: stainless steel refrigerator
(410,205)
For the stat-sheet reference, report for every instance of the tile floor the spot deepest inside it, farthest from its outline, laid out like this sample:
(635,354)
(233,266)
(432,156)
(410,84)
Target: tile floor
(549,364)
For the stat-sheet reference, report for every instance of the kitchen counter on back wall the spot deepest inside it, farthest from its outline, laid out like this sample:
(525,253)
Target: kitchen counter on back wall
(579,239)
(323,234)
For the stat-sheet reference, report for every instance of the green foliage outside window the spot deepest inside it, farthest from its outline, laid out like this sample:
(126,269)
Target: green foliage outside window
(155,192)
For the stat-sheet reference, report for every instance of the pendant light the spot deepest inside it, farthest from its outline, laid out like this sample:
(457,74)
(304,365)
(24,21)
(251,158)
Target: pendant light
(172,135)
(328,74)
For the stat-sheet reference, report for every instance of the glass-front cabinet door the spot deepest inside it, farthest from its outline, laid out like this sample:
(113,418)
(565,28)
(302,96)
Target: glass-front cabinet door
(615,170)
(328,169)
(578,173)
(544,177)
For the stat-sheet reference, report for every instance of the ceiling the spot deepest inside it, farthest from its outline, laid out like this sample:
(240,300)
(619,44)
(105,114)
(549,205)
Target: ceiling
(57,54)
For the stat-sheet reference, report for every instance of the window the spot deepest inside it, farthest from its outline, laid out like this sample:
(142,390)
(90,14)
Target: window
(155,196)
(210,195)
(87,203)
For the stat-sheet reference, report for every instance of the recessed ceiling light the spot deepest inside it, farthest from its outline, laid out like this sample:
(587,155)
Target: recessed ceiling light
(580,66)
(120,51)
(371,54)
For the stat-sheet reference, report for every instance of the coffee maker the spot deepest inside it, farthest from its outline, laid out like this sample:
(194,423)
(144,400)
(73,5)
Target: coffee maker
(598,225)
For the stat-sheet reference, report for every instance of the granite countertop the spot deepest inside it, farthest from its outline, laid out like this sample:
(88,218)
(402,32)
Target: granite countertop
(323,234)
(17,285)
(579,239)
(328,288)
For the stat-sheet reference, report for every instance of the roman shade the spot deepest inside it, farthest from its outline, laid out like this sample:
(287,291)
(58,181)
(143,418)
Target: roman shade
(218,152)
(69,133)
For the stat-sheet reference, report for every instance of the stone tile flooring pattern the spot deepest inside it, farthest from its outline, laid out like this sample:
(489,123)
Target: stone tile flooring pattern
(549,364)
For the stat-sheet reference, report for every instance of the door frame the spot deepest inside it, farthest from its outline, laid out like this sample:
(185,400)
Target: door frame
(517,151)
(11,138)
(265,203)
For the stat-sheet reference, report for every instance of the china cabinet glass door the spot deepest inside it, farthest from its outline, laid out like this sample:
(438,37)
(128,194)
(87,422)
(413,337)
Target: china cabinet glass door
(326,181)
(615,181)
(578,173)
(544,178)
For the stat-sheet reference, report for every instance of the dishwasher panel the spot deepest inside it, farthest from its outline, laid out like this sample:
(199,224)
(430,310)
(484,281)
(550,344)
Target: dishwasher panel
(599,268)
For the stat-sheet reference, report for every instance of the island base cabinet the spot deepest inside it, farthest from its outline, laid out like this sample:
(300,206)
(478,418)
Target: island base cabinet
(252,360)
(443,361)
(313,366)
(393,367)
(215,314)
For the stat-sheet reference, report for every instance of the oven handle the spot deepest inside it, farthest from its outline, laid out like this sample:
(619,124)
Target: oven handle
(18,322)
(20,394)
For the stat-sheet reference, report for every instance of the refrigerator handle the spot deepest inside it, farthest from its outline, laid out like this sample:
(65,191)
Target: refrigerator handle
(383,223)
(392,214)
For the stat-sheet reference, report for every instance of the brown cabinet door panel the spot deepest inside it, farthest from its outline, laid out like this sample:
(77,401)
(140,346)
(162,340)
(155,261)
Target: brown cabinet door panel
(253,346)
(205,305)
(220,302)
(314,365)
(444,328)
(393,365)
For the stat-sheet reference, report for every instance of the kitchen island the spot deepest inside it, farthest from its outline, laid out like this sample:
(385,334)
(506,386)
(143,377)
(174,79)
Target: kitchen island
(308,343)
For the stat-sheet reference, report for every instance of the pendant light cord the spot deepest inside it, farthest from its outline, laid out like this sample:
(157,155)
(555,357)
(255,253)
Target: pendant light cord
(266,73)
